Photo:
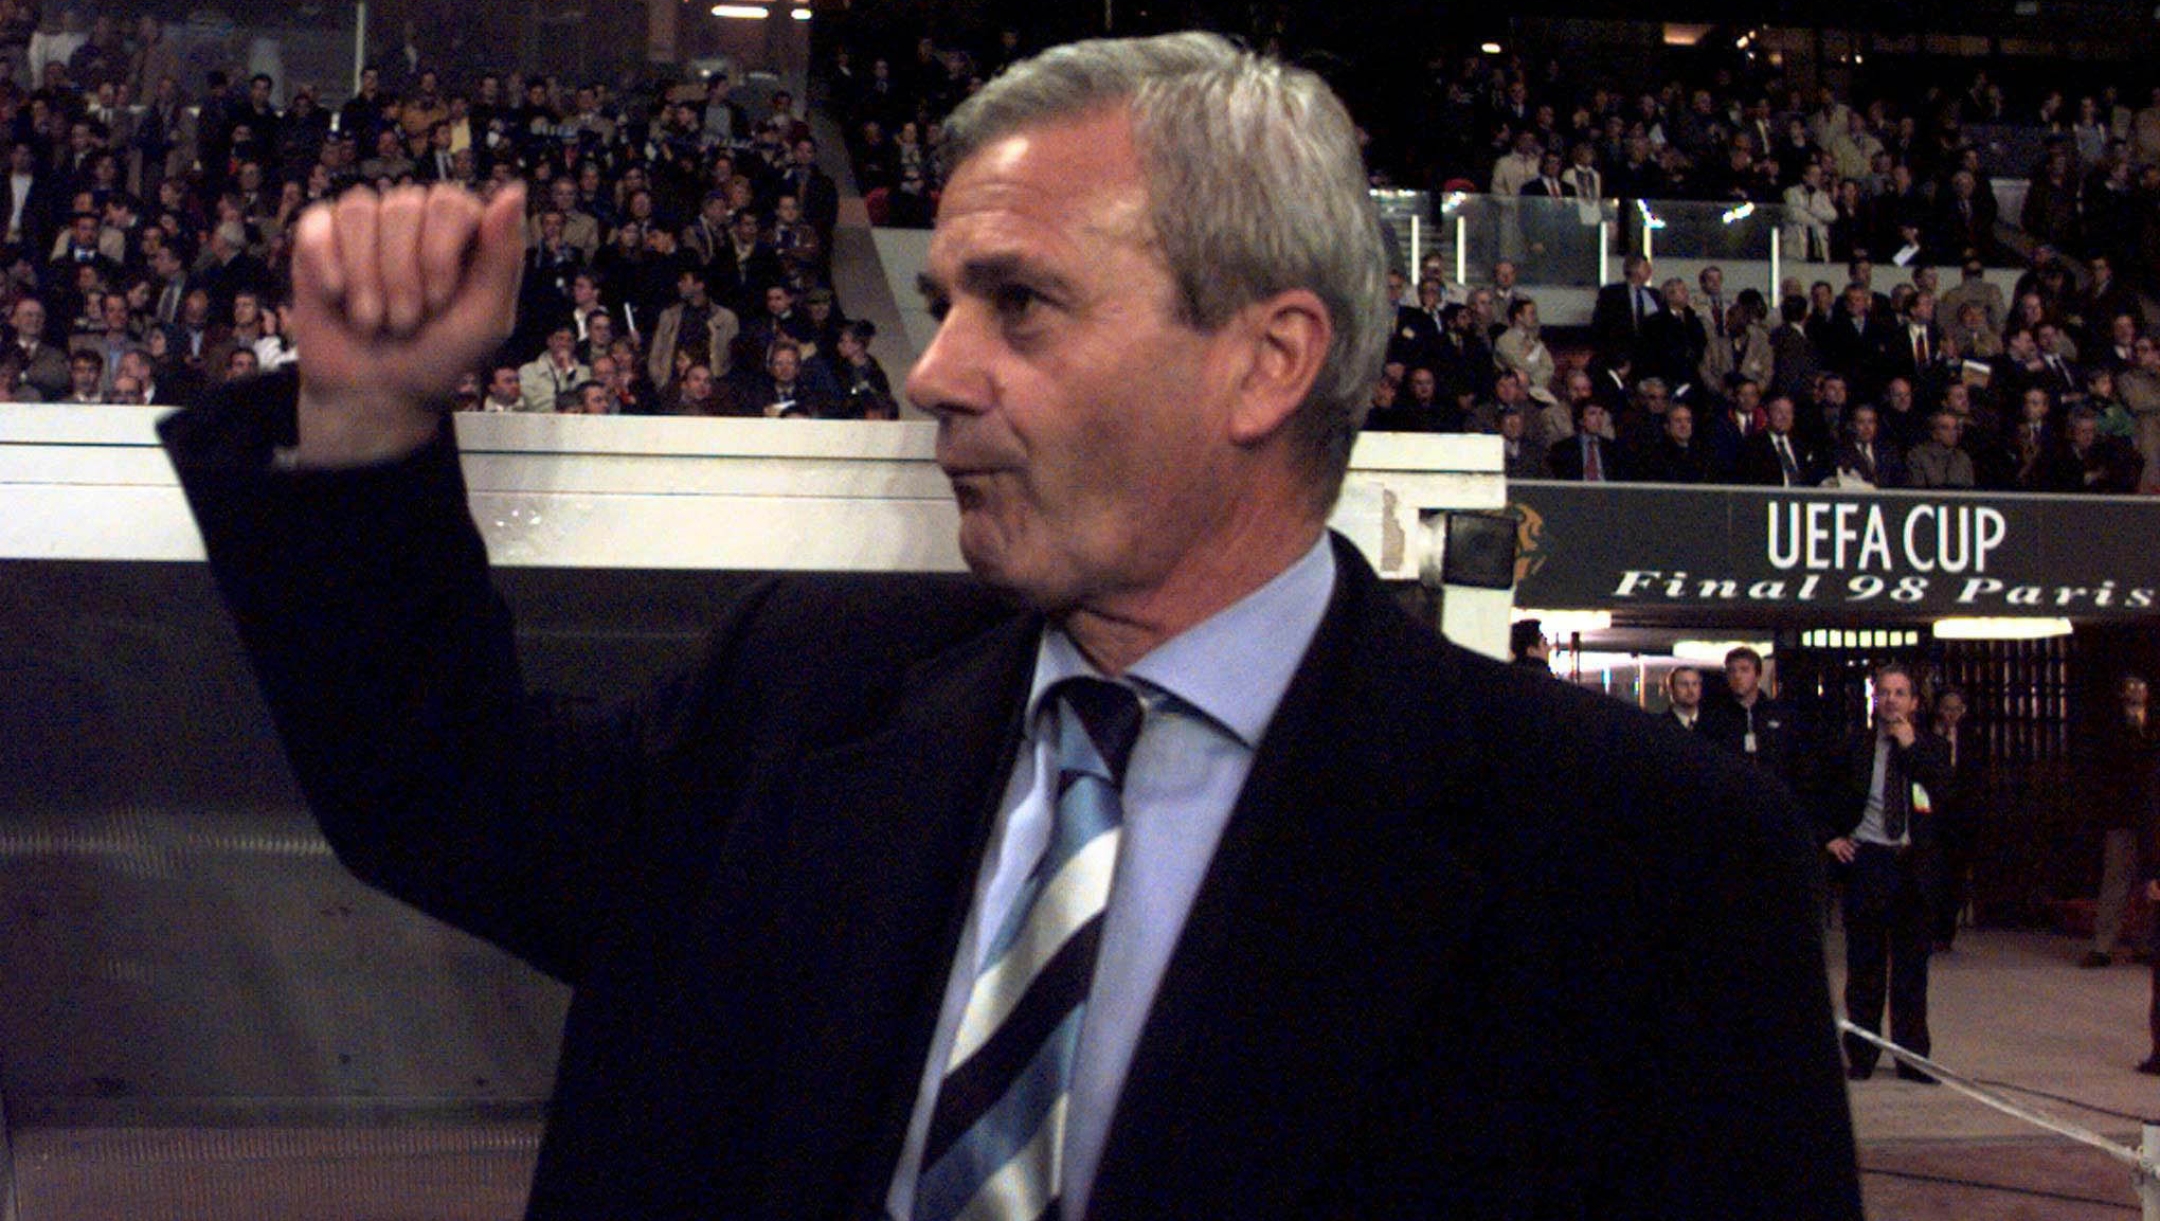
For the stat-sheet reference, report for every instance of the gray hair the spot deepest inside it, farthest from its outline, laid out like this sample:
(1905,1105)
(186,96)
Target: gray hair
(1256,186)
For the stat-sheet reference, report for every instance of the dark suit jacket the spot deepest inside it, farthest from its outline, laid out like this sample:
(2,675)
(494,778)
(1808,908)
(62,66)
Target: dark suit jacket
(1886,471)
(41,211)
(1671,347)
(1758,465)
(1793,363)
(1612,320)
(755,883)
(1565,459)
(1416,339)
(1777,732)
(1927,763)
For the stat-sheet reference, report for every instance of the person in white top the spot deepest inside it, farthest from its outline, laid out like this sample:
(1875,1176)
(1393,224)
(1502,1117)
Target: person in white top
(1810,209)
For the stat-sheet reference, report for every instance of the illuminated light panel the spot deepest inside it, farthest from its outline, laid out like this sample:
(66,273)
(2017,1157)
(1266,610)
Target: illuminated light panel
(748,12)
(801,14)
(2000,629)
(1564,622)
(1714,651)
(1490,48)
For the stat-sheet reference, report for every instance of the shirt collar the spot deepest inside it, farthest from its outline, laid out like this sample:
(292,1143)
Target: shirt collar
(1234,666)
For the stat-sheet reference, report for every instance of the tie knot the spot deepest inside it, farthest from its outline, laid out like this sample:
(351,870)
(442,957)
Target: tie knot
(1109,716)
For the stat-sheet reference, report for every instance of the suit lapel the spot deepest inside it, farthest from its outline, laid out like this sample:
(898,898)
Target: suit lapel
(1324,923)
(882,842)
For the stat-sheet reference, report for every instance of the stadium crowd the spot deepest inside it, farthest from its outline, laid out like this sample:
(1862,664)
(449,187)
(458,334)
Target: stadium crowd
(1868,370)
(681,254)
(680,247)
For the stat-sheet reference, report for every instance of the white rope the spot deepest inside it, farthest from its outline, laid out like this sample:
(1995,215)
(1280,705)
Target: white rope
(2143,1166)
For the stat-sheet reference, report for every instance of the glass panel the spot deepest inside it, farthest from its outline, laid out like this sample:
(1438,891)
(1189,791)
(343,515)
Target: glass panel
(1552,242)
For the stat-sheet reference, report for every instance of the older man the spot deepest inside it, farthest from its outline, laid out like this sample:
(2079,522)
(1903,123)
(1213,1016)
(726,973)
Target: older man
(1172,871)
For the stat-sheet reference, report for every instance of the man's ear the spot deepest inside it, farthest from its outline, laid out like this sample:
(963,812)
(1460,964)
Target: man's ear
(1287,337)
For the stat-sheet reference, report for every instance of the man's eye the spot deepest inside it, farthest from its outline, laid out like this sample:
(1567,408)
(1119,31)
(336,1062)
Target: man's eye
(938,307)
(1014,300)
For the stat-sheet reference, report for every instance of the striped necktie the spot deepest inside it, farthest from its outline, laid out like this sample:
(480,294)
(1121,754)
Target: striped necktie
(994,1148)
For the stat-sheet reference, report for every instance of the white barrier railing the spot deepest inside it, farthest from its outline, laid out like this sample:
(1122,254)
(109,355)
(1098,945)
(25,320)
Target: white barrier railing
(2144,1163)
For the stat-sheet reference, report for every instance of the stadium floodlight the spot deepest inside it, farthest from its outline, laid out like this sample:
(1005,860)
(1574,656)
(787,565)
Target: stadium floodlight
(748,12)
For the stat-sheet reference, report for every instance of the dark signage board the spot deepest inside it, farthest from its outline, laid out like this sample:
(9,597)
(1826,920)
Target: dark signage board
(1868,555)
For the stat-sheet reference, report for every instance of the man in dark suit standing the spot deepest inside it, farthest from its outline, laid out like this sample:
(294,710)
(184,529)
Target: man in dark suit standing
(1883,829)
(1616,321)
(1672,341)
(33,198)
(1093,888)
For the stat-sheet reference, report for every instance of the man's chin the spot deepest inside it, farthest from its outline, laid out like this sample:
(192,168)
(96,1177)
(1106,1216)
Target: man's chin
(995,563)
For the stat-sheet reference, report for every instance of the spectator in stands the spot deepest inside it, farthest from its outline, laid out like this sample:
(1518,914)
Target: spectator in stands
(1589,456)
(1939,461)
(1975,287)
(784,389)
(1809,211)
(1777,456)
(697,325)
(696,392)
(1518,166)
(1422,409)
(1867,459)
(1522,451)
(1901,421)
(798,245)
(2031,442)
(1509,392)
(1971,338)
(32,370)
(1521,349)
(1743,348)
(1889,841)
(1857,341)
(1676,456)
(505,391)
(1622,309)
(1465,367)
(1915,350)
(590,398)
(579,229)
(86,369)
(746,265)
(864,391)
(1416,338)
(1673,340)
(2084,461)
(554,372)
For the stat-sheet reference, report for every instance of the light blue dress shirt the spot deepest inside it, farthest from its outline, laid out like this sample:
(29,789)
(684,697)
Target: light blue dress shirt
(1228,675)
